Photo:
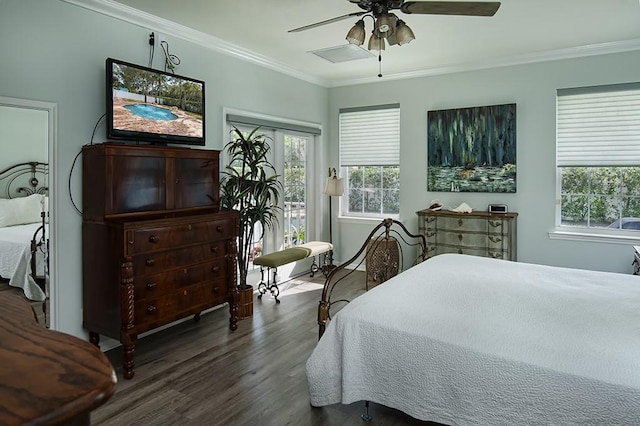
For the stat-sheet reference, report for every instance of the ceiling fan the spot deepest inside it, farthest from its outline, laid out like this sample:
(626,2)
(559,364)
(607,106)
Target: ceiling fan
(387,26)
(378,8)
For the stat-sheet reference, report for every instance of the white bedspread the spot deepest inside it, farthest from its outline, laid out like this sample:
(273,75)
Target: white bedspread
(473,341)
(15,259)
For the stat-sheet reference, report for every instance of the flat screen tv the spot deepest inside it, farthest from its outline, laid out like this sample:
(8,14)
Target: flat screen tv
(153,106)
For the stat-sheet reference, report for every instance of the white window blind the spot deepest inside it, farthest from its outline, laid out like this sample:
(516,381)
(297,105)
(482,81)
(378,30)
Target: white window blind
(370,136)
(599,126)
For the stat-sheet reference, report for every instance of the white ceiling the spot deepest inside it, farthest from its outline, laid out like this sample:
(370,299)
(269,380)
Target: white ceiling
(521,31)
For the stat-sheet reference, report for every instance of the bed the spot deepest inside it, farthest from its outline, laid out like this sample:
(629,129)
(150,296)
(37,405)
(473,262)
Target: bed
(469,340)
(24,228)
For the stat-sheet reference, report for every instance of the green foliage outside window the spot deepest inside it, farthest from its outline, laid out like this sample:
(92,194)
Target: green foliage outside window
(598,196)
(373,190)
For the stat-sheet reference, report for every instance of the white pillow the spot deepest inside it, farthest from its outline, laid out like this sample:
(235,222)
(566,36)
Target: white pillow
(18,211)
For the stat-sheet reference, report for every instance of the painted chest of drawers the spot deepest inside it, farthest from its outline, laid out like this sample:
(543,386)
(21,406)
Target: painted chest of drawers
(476,233)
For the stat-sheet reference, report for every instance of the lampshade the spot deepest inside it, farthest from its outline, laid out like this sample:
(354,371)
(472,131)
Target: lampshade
(356,34)
(403,33)
(334,187)
(385,25)
(376,43)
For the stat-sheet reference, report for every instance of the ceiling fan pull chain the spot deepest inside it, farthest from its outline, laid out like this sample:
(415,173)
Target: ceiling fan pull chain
(379,63)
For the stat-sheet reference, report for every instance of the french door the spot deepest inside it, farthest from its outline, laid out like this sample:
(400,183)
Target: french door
(290,155)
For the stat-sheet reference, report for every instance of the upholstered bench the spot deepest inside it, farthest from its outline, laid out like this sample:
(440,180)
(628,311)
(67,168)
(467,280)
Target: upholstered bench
(273,260)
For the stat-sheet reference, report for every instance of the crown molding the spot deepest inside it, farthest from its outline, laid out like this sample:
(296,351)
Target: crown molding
(154,23)
(146,20)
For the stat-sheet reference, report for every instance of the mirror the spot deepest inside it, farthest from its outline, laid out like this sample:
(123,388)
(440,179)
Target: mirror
(27,142)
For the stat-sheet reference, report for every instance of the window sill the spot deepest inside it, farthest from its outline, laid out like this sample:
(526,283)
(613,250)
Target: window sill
(362,220)
(594,236)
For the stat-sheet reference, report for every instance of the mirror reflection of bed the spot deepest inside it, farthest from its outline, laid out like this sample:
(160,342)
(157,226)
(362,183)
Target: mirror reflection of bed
(24,233)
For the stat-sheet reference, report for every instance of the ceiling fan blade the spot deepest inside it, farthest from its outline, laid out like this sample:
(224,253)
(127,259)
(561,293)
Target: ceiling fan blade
(328,21)
(487,8)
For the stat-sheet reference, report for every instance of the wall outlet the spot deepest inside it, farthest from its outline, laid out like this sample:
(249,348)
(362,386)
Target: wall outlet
(156,38)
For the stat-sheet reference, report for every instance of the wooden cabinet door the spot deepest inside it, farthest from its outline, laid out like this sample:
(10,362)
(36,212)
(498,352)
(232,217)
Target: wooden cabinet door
(138,184)
(196,182)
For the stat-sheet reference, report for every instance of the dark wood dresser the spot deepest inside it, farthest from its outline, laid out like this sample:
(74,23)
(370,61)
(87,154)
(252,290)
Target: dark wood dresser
(156,247)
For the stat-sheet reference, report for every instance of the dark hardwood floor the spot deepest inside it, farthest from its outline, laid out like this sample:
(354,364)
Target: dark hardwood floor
(38,307)
(204,374)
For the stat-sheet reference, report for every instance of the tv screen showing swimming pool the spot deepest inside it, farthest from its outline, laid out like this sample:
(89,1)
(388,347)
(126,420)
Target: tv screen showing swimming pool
(153,106)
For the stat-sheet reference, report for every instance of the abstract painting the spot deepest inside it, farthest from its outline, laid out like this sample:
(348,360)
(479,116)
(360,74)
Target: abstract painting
(472,149)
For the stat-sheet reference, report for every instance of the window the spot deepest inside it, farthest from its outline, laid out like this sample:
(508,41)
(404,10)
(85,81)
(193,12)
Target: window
(370,161)
(598,157)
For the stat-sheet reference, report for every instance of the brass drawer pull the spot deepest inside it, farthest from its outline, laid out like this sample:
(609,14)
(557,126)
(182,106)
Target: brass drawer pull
(215,268)
(216,289)
(151,285)
(189,227)
(460,237)
(150,262)
(219,228)
(154,239)
(214,249)
(151,309)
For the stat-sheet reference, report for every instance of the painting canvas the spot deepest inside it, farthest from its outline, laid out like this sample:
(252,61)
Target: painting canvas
(472,149)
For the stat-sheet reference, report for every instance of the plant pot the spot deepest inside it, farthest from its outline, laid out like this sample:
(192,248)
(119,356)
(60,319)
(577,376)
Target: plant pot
(245,306)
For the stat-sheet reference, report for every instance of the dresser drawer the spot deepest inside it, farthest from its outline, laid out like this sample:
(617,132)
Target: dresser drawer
(154,262)
(471,240)
(472,251)
(170,306)
(214,273)
(160,238)
(461,223)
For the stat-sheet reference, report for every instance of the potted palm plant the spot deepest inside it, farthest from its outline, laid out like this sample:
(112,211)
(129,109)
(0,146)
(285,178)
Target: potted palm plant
(250,185)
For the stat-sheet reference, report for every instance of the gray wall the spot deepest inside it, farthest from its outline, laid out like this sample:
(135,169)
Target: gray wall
(53,51)
(533,89)
(23,136)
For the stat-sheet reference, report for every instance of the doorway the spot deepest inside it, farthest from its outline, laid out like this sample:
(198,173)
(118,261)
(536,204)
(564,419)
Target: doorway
(27,134)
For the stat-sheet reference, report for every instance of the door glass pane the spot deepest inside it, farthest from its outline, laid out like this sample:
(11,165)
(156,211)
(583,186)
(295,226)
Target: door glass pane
(295,181)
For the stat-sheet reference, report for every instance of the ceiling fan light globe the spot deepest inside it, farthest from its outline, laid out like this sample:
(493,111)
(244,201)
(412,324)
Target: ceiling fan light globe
(356,34)
(385,25)
(404,34)
(376,43)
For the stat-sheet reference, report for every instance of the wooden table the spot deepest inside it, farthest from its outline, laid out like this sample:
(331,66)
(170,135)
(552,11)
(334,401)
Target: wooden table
(47,377)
